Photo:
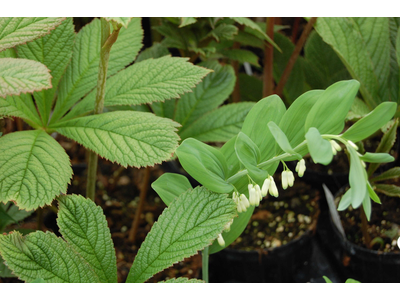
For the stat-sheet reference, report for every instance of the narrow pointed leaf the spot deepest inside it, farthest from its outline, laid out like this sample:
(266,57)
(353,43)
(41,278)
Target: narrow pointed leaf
(185,21)
(281,139)
(34,169)
(371,122)
(320,149)
(81,74)
(19,75)
(367,206)
(219,125)
(357,178)
(43,255)
(345,201)
(84,227)
(20,106)
(389,174)
(372,194)
(329,112)
(388,189)
(206,96)
(188,225)
(127,137)
(16,31)
(54,51)
(249,155)
(146,82)
(170,186)
(205,164)
(292,122)
(377,157)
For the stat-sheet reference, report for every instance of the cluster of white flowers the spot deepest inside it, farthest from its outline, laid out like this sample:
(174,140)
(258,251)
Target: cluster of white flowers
(269,186)
(335,147)
(301,167)
(287,179)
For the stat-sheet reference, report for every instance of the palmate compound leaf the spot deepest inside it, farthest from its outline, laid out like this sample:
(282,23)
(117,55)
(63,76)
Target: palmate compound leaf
(19,75)
(131,138)
(54,51)
(46,256)
(34,169)
(81,74)
(188,225)
(84,227)
(16,31)
(146,82)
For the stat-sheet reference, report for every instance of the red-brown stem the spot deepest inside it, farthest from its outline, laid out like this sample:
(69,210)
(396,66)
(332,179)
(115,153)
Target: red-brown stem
(235,65)
(142,198)
(295,29)
(268,79)
(364,228)
(293,57)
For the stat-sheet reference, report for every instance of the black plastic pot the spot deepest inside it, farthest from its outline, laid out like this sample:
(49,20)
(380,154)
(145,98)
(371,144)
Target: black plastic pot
(288,263)
(360,263)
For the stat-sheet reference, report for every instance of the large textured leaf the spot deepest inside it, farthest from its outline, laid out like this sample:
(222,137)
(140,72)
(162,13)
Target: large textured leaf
(323,66)
(188,225)
(207,95)
(375,33)
(19,75)
(4,270)
(16,31)
(84,226)
(19,106)
(34,169)
(43,255)
(128,137)
(81,74)
(54,51)
(219,125)
(145,82)
(348,43)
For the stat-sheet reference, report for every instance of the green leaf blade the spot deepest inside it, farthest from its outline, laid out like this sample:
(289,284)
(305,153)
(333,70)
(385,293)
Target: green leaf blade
(128,137)
(34,169)
(16,31)
(149,81)
(43,255)
(219,125)
(84,226)
(371,122)
(81,74)
(169,186)
(205,164)
(19,75)
(188,225)
(54,51)
(320,149)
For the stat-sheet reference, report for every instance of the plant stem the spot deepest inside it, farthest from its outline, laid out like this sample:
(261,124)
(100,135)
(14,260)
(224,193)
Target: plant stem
(292,60)
(107,40)
(142,197)
(364,228)
(268,79)
(205,256)
(295,29)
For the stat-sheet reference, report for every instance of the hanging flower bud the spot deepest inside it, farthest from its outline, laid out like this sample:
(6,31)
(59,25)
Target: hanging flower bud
(265,187)
(335,147)
(252,195)
(220,240)
(290,178)
(258,194)
(301,167)
(227,227)
(284,179)
(273,189)
(352,144)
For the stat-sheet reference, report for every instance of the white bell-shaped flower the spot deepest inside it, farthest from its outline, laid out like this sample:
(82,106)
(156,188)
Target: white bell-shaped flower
(301,167)
(273,190)
(284,179)
(265,187)
(290,178)
(220,240)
